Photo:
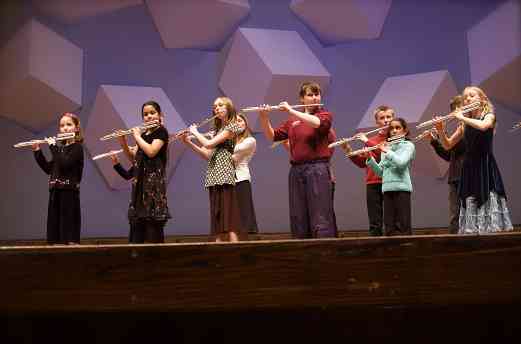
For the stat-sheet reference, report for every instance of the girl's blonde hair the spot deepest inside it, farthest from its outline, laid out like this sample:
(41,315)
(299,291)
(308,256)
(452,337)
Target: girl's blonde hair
(231,113)
(76,120)
(486,104)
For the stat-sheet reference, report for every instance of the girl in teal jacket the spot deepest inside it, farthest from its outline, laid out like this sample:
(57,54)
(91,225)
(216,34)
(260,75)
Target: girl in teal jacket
(394,168)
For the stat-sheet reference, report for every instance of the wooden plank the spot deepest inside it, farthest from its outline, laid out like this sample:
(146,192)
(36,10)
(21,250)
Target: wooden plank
(352,272)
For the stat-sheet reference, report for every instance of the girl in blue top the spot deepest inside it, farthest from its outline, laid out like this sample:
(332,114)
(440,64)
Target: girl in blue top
(394,169)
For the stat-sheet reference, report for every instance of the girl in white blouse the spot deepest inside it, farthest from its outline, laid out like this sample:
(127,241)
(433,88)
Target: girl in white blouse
(243,152)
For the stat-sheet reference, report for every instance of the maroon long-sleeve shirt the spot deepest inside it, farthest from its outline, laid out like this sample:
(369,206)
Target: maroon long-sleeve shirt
(306,143)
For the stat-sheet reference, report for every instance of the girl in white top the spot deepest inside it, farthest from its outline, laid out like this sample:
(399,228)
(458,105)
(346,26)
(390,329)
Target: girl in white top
(243,152)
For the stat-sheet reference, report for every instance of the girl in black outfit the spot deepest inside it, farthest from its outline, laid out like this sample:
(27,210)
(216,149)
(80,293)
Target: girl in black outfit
(148,209)
(65,170)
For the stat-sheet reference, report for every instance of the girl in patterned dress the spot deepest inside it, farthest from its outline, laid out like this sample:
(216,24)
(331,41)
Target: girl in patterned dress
(148,209)
(225,221)
(481,192)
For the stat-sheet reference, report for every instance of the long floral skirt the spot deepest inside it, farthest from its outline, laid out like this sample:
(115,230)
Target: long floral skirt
(493,216)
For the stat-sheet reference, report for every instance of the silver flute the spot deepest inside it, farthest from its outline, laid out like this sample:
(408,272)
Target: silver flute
(355,137)
(119,133)
(59,137)
(464,109)
(391,140)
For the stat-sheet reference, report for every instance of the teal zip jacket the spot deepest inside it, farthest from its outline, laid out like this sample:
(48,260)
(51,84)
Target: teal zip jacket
(394,167)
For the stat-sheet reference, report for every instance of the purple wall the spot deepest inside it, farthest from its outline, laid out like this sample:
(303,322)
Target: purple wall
(124,48)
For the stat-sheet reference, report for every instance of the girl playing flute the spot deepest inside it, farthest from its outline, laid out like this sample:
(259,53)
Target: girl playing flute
(65,170)
(481,192)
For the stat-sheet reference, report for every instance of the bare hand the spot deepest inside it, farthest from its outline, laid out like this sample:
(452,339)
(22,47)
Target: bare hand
(193,129)
(136,132)
(362,137)
(185,137)
(114,158)
(50,141)
(284,106)
(433,134)
(364,155)
(265,108)
(121,139)
(458,115)
(440,125)
(384,148)
(346,148)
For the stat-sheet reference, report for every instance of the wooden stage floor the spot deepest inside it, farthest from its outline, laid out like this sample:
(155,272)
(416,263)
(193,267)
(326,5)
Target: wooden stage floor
(361,288)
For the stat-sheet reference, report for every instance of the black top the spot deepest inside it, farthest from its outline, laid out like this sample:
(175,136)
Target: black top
(162,134)
(65,167)
(480,173)
(454,156)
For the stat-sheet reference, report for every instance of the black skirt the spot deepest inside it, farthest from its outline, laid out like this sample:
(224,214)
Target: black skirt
(244,196)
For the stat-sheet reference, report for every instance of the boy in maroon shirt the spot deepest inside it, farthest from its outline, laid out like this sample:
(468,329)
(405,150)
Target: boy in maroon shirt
(383,116)
(310,187)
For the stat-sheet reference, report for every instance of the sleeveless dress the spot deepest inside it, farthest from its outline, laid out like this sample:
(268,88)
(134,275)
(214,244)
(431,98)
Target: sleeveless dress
(481,191)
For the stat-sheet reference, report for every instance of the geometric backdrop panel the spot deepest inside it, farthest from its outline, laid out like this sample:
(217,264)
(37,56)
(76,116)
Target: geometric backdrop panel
(335,22)
(494,46)
(69,12)
(197,24)
(38,62)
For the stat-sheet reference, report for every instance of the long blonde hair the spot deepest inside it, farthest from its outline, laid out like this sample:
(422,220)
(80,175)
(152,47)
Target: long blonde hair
(486,104)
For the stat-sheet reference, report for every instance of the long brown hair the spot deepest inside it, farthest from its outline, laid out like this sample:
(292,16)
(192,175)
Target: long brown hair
(76,120)
(247,131)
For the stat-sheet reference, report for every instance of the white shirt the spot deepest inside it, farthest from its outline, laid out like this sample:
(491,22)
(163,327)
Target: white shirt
(242,155)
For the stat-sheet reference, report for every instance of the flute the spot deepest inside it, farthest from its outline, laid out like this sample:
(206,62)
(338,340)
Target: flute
(108,154)
(118,133)
(391,140)
(59,137)
(276,107)
(424,134)
(464,110)
(354,137)
(182,132)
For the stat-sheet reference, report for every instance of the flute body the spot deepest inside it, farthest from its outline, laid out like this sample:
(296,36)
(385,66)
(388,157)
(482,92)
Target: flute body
(108,154)
(465,109)
(59,137)
(354,137)
(390,140)
(276,107)
(182,132)
(120,133)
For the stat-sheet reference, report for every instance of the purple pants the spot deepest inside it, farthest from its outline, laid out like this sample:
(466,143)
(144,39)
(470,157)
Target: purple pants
(311,211)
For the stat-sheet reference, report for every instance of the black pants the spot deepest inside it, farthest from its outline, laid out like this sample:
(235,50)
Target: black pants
(375,208)
(397,213)
(454,205)
(245,200)
(147,231)
(63,217)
